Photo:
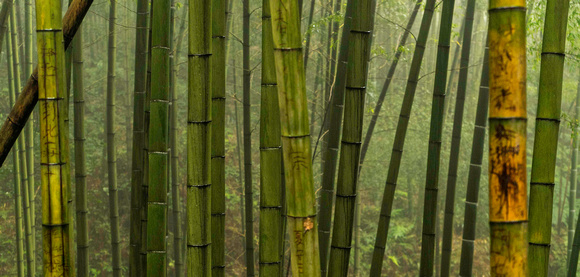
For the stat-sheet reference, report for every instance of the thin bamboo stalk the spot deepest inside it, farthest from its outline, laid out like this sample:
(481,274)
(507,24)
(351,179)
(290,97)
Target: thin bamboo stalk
(474,174)
(111,148)
(16,165)
(397,153)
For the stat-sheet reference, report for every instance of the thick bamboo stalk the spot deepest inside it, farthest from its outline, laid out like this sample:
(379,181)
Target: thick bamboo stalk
(270,157)
(300,198)
(158,156)
(199,118)
(16,167)
(80,164)
(434,153)
(508,213)
(218,100)
(111,149)
(397,153)
(546,136)
(55,179)
(247,127)
(333,120)
(25,196)
(474,174)
(27,99)
(359,40)
(387,83)
(137,162)
(447,244)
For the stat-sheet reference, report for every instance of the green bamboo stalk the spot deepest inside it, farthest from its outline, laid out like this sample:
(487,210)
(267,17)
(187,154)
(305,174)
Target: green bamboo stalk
(359,40)
(4,14)
(199,193)
(25,201)
(28,67)
(397,153)
(446,246)
(247,127)
(573,240)
(158,158)
(387,82)
(433,159)
(546,136)
(80,166)
(137,162)
(474,175)
(16,164)
(270,157)
(111,149)
(176,200)
(333,120)
(218,99)
(573,179)
(308,34)
(300,198)
(54,140)
(508,207)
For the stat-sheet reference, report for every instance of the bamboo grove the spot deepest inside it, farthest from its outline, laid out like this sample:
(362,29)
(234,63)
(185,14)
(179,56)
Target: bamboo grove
(289,138)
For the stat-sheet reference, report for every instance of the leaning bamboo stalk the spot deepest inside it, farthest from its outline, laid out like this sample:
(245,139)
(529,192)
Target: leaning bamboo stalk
(573,178)
(446,246)
(397,152)
(474,174)
(508,213)
(546,136)
(300,198)
(428,239)
(199,124)
(270,157)
(16,167)
(27,99)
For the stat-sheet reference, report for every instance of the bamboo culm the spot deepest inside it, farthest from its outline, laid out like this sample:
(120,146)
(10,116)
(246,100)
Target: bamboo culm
(508,207)
(446,246)
(199,124)
(397,153)
(474,174)
(270,157)
(295,131)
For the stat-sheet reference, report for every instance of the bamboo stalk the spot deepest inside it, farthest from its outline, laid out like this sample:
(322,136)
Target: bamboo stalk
(111,148)
(16,164)
(270,157)
(137,162)
(199,110)
(397,153)
(359,40)
(474,175)
(300,197)
(508,214)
